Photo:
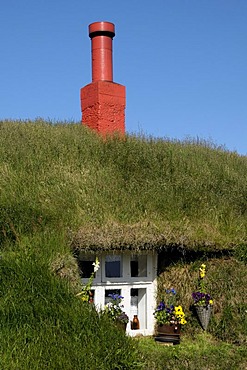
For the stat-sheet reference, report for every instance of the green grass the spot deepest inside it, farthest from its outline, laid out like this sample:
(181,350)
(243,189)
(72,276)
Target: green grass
(43,325)
(201,351)
(58,178)
(226,282)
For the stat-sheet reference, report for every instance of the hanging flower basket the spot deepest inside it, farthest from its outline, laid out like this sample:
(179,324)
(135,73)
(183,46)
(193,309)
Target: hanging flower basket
(203,302)
(204,314)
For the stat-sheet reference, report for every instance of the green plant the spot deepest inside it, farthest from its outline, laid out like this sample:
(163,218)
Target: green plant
(85,294)
(200,351)
(201,297)
(44,326)
(241,253)
(167,312)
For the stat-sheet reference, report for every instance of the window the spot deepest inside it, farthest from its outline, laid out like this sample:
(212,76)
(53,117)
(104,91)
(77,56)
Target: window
(113,266)
(138,266)
(86,265)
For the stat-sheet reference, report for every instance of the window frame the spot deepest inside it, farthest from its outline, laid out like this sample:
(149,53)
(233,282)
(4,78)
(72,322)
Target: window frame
(126,278)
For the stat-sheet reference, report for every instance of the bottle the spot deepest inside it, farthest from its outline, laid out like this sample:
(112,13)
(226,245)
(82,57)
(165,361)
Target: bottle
(135,323)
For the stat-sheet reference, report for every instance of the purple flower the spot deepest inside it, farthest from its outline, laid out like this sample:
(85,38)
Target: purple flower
(115,296)
(170,309)
(197,296)
(161,306)
(201,298)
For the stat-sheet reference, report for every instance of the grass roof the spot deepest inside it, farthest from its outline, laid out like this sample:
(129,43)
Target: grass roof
(135,193)
(145,236)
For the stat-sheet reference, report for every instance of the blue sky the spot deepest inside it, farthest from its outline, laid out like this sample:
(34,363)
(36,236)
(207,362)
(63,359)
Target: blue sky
(183,62)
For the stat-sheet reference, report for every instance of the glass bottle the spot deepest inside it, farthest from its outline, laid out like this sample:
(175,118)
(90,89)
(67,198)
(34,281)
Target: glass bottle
(135,323)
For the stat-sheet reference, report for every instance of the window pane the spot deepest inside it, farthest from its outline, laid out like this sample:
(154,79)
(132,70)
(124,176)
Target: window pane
(85,264)
(138,306)
(113,266)
(134,301)
(138,266)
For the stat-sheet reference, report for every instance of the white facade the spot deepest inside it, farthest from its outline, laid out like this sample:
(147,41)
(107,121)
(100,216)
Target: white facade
(132,276)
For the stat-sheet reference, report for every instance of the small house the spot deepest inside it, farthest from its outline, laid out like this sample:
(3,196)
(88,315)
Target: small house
(128,267)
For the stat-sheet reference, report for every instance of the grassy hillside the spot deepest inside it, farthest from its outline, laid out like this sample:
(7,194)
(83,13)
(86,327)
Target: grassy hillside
(62,176)
(61,185)
(43,325)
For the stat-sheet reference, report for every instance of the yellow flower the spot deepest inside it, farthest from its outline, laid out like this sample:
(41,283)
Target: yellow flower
(84,298)
(178,309)
(202,271)
(211,301)
(183,321)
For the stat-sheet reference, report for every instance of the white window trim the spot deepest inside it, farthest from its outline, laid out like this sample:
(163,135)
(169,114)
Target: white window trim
(126,274)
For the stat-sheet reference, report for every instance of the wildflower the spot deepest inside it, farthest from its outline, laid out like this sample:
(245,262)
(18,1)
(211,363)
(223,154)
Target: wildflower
(172,290)
(86,290)
(84,298)
(96,265)
(115,296)
(200,297)
(202,271)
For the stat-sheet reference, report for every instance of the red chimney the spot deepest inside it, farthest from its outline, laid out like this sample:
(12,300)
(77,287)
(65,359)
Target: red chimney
(103,101)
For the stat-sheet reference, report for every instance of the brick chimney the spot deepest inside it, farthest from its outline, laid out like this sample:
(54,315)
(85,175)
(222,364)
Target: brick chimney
(103,101)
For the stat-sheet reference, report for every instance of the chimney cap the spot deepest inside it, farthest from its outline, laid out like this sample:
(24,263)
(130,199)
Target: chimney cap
(101,28)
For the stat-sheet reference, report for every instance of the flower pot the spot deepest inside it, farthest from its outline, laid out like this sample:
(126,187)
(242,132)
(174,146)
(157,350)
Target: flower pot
(121,325)
(169,329)
(203,314)
(168,333)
